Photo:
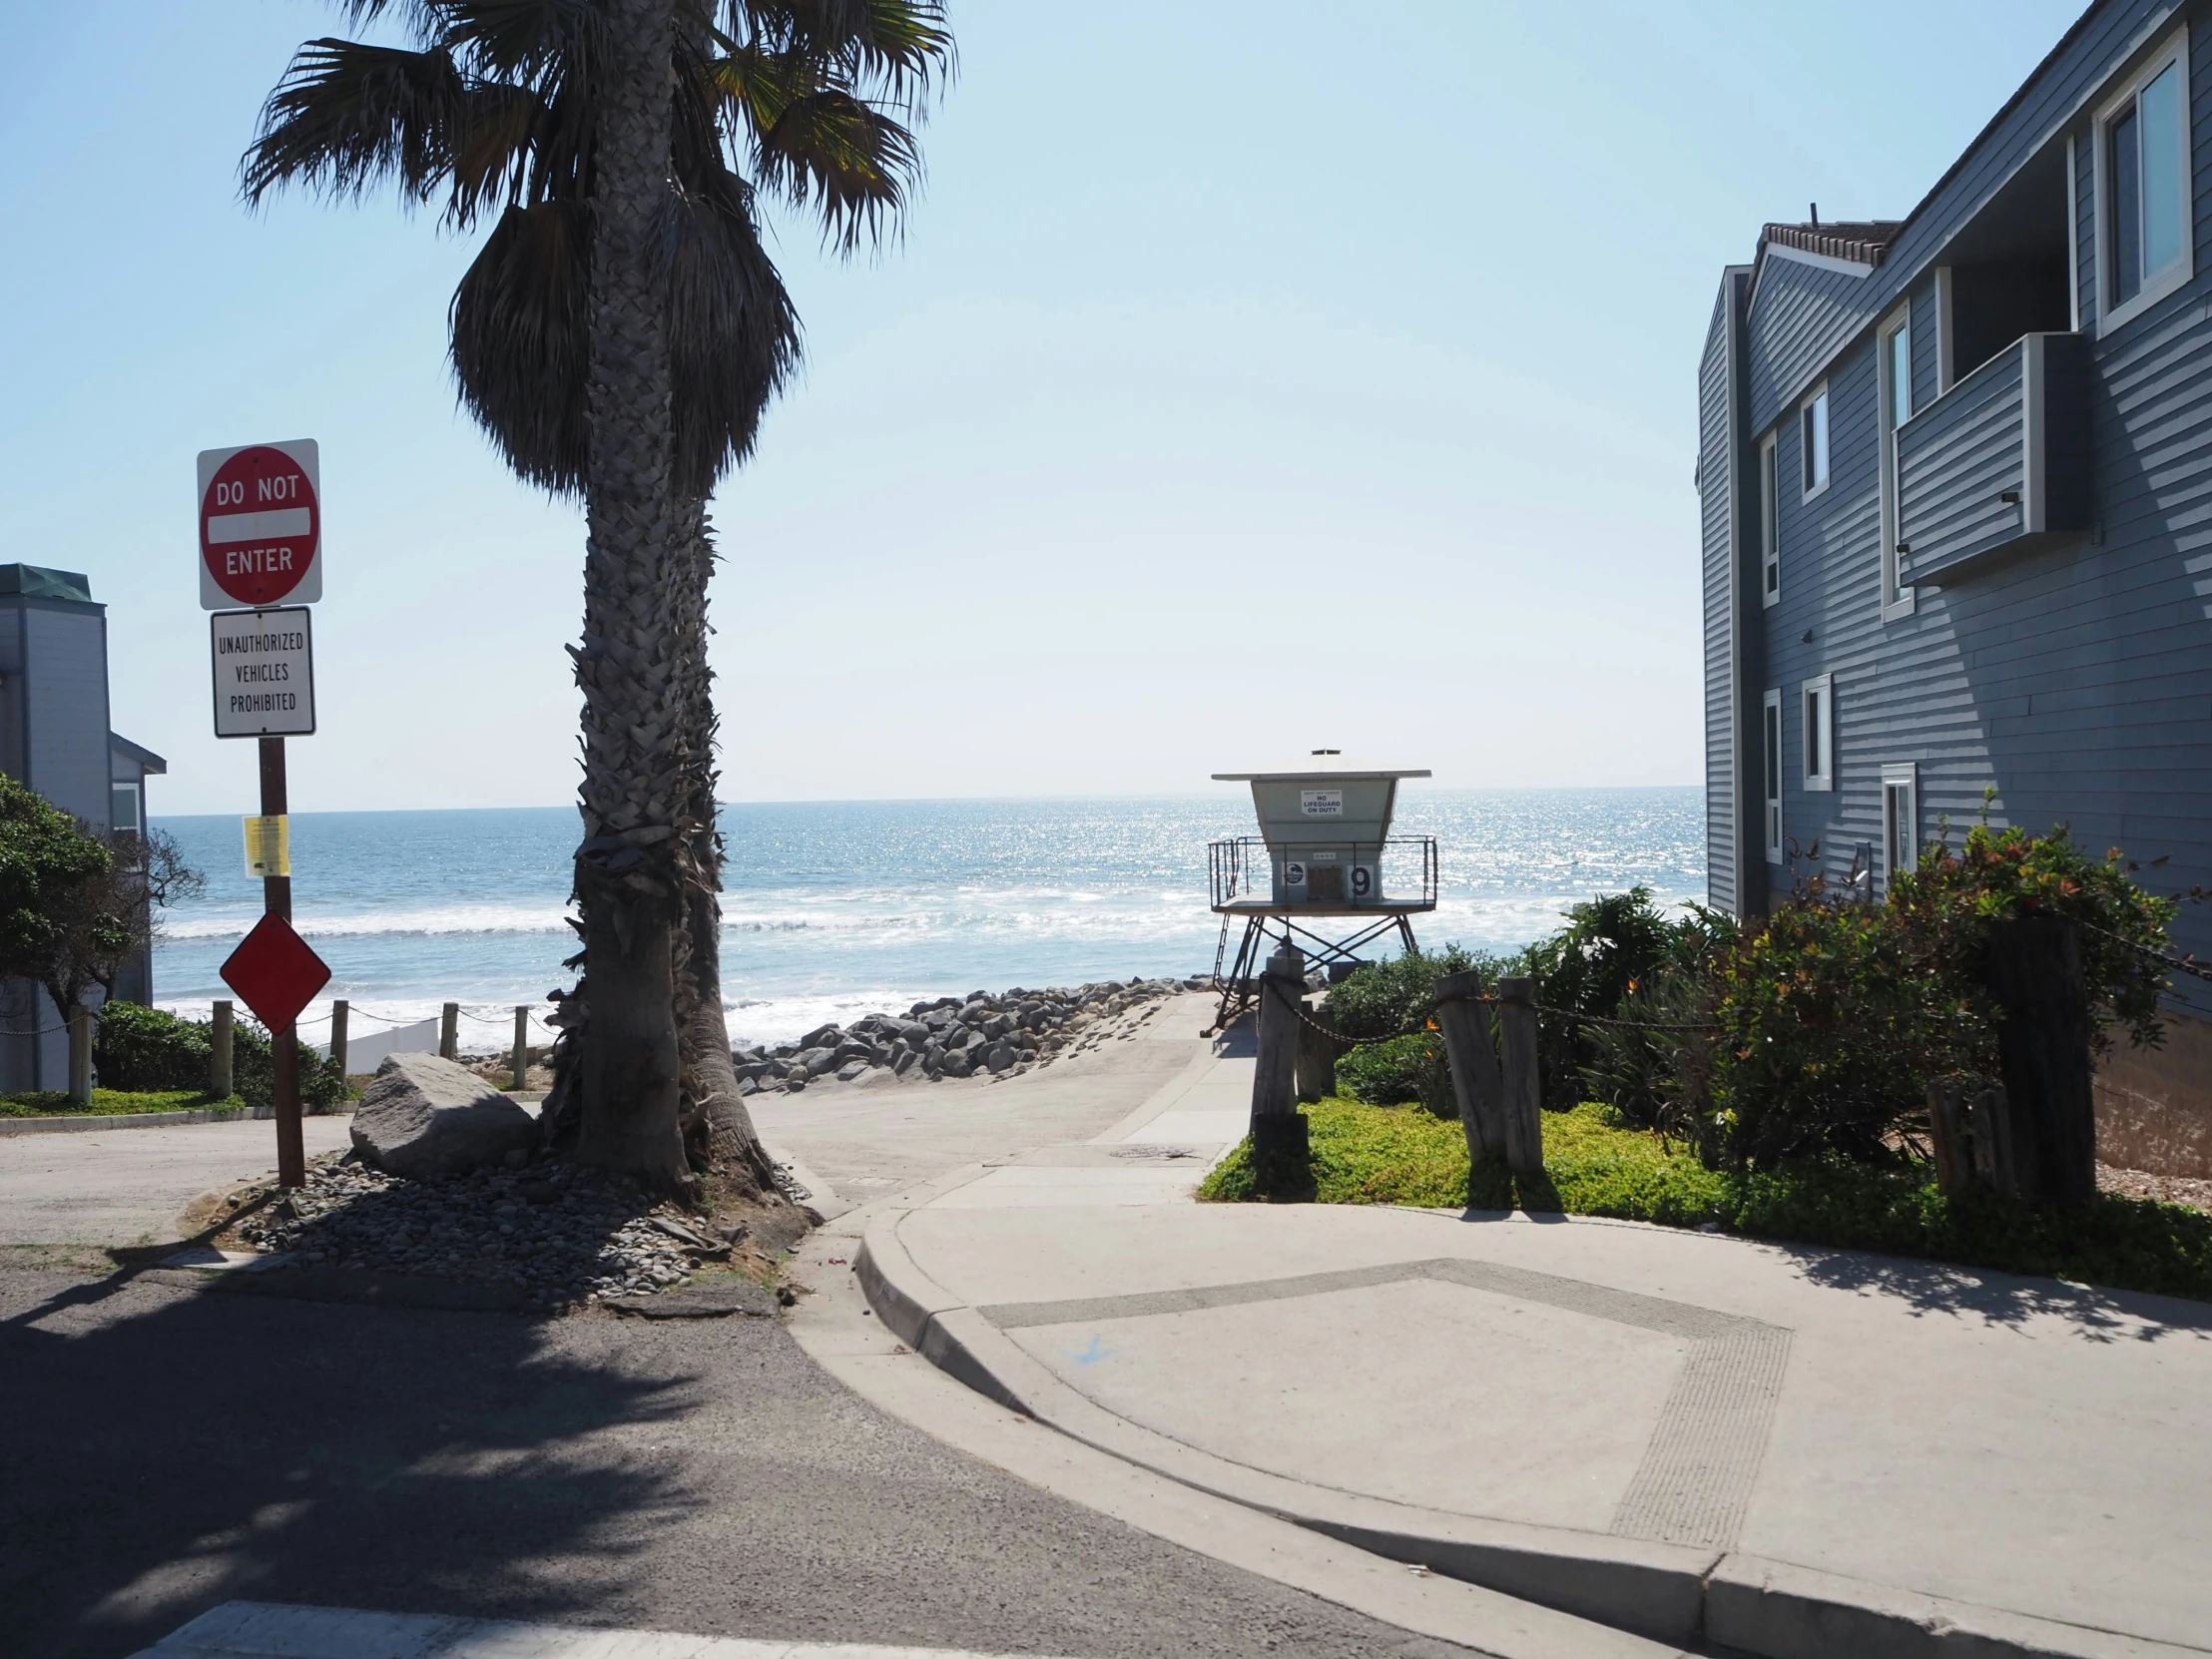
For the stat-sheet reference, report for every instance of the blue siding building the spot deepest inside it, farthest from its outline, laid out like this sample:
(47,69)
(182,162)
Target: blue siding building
(1955,479)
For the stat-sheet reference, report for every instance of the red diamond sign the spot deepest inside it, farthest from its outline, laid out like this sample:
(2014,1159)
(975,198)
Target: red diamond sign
(275,974)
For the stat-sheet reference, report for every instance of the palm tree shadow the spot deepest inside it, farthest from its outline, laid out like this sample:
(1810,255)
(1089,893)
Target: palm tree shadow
(2000,1299)
(190,1448)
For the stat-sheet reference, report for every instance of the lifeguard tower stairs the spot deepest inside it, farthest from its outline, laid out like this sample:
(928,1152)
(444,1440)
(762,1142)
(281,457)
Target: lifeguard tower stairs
(1325,873)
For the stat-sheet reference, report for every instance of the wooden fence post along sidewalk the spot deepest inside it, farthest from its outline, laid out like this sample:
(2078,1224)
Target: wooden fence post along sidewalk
(1498,1105)
(1277,1126)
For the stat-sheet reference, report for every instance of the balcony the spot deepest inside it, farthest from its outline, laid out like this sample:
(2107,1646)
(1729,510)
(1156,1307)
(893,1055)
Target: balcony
(1998,465)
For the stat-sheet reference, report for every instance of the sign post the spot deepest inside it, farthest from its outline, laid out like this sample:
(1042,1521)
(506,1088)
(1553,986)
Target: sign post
(261,545)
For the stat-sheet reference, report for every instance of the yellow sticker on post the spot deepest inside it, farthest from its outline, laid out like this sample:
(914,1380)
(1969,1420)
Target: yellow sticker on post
(267,846)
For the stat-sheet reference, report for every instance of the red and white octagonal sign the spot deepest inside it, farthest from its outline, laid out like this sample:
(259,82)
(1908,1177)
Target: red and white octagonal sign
(260,525)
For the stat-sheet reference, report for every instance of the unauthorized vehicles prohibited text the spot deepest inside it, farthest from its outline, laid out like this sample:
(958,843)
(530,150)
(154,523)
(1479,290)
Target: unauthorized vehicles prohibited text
(263,665)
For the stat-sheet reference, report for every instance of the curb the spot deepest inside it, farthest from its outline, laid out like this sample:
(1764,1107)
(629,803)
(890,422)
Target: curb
(1772,1609)
(88,1122)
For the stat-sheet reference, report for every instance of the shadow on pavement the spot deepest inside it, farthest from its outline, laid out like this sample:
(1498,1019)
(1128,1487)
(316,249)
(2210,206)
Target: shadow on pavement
(2093,1311)
(168,1451)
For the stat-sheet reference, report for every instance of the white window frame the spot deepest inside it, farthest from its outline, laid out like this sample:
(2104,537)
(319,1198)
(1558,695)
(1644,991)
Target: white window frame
(1769,520)
(1771,752)
(1819,395)
(1946,368)
(1900,849)
(119,790)
(2173,53)
(1817,727)
(1896,599)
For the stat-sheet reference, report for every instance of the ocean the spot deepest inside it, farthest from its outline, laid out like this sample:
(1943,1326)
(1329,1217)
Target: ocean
(832,909)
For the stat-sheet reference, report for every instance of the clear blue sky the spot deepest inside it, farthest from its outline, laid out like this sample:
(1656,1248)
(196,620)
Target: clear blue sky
(1250,376)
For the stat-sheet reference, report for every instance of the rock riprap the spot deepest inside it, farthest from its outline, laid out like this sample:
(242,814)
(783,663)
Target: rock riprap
(559,1233)
(960,1036)
(427,1118)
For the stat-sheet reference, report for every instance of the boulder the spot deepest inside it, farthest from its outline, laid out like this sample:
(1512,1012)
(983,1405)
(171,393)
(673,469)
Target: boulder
(851,1069)
(815,1061)
(822,1036)
(425,1118)
(999,1057)
(957,1064)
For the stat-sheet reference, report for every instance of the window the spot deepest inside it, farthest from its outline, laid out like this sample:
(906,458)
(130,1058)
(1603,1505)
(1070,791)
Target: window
(1900,824)
(1893,365)
(1818,701)
(1771,747)
(1769,520)
(123,809)
(2144,221)
(1813,425)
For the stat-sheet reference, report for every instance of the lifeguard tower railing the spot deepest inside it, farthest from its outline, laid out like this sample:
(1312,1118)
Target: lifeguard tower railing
(1241,877)
(1246,877)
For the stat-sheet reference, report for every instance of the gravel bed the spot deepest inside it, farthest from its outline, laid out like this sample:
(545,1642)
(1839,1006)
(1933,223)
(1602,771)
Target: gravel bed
(561,1233)
(2166,1189)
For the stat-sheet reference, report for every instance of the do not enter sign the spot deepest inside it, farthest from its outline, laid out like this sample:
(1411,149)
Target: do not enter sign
(260,525)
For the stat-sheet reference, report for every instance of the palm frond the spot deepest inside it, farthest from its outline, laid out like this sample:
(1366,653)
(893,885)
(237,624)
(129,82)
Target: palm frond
(895,49)
(520,331)
(853,162)
(347,117)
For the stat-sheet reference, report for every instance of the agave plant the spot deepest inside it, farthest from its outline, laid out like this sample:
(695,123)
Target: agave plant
(618,335)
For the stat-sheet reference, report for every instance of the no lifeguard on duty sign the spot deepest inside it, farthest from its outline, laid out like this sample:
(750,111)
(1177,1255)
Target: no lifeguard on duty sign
(260,525)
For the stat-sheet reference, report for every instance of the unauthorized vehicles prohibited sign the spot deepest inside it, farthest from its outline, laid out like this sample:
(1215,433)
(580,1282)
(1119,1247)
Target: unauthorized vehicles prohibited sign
(264,672)
(260,525)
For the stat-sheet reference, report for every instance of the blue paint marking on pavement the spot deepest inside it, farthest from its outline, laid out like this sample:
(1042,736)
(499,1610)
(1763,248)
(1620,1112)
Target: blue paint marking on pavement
(1092,1355)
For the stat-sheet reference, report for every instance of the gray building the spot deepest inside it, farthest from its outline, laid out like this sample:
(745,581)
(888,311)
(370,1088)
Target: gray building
(55,737)
(1956,476)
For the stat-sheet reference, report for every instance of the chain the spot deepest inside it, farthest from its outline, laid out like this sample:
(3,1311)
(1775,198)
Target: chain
(1618,1024)
(2184,963)
(1425,1020)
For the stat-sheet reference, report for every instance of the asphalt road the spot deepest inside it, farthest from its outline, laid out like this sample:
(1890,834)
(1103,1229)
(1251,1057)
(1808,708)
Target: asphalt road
(169,1449)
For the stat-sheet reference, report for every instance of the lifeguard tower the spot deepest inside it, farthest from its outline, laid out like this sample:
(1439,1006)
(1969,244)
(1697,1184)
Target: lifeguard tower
(1324,858)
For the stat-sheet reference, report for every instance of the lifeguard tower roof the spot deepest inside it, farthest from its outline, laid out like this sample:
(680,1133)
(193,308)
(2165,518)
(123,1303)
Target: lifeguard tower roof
(1321,762)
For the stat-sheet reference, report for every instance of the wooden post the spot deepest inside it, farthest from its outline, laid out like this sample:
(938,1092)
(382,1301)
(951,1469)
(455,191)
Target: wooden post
(1523,1086)
(1948,1136)
(1476,1082)
(2034,969)
(338,1012)
(522,1047)
(219,1083)
(1317,1054)
(283,1046)
(1277,1126)
(449,1031)
(80,1055)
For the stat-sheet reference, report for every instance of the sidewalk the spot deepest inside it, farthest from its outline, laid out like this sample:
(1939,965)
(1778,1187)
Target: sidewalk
(1786,1451)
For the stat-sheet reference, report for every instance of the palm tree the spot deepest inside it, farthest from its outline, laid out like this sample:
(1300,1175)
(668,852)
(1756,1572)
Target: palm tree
(618,335)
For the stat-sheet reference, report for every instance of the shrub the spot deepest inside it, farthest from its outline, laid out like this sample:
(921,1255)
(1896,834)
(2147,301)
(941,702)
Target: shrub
(1612,946)
(1830,1029)
(1388,998)
(147,1048)
(1947,903)
(1400,1072)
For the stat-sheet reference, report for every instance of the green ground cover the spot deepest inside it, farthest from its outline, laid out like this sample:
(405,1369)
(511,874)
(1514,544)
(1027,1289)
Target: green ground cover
(52,1103)
(1600,1165)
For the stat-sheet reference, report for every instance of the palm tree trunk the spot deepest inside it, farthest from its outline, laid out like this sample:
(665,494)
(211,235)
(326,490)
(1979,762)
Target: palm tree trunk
(628,882)
(718,1129)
